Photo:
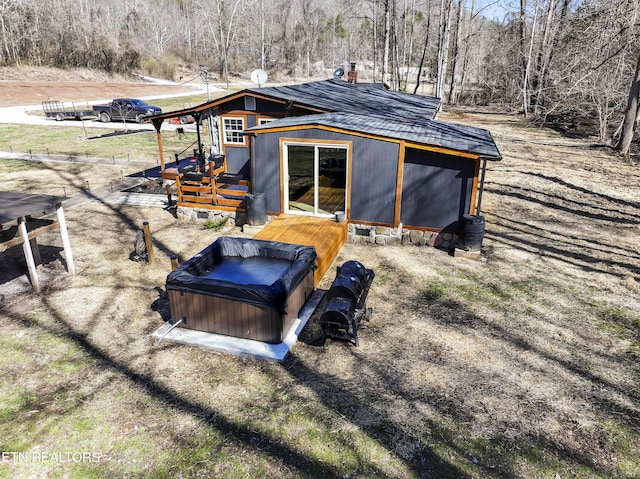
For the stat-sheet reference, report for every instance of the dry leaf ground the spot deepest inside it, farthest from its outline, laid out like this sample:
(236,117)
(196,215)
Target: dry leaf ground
(521,365)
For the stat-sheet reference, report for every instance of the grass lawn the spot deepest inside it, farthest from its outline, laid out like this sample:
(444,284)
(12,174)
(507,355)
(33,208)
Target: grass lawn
(525,364)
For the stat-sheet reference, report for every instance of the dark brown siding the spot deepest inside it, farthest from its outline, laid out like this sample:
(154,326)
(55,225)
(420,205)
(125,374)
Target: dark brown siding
(234,318)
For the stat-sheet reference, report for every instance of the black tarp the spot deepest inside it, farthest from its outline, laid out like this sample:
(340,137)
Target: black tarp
(194,274)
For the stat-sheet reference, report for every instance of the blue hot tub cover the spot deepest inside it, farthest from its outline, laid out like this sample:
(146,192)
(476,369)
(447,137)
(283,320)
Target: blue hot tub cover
(195,275)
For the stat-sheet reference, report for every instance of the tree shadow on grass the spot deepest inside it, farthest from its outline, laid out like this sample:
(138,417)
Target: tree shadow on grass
(569,225)
(237,433)
(13,265)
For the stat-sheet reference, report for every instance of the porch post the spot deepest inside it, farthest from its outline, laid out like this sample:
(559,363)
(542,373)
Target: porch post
(484,170)
(157,124)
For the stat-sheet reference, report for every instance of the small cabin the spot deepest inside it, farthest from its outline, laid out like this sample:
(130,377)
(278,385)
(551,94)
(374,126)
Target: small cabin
(379,156)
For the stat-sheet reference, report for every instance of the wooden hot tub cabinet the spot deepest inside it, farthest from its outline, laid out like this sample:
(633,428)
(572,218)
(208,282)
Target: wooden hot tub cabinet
(234,306)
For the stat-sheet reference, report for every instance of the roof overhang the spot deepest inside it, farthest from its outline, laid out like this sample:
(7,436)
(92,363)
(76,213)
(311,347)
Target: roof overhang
(429,135)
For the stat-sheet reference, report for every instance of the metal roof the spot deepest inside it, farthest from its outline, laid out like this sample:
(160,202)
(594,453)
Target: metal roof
(342,96)
(452,136)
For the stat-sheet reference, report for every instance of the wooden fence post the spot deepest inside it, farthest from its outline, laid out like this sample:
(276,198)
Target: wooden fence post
(148,242)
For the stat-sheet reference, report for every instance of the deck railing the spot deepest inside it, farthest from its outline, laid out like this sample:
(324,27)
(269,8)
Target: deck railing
(199,191)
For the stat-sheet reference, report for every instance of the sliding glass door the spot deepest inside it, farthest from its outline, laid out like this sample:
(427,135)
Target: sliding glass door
(315,178)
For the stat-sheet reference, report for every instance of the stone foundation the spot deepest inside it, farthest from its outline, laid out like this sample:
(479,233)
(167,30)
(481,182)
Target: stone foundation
(197,215)
(385,235)
(358,233)
(201,215)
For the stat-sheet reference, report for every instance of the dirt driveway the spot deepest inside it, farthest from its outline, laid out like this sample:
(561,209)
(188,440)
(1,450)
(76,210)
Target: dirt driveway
(18,93)
(18,98)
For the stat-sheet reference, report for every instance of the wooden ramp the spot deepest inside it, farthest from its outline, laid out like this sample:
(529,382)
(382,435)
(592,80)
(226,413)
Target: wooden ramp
(324,234)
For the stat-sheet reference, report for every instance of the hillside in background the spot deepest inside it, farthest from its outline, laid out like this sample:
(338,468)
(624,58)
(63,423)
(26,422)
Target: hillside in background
(568,64)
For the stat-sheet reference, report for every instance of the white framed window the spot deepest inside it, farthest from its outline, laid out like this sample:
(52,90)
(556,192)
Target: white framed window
(233,128)
(262,121)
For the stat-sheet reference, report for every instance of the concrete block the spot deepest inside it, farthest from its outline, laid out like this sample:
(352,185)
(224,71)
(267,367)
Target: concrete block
(251,230)
(461,253)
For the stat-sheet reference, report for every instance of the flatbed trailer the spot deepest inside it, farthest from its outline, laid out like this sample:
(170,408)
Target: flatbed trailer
(55,109)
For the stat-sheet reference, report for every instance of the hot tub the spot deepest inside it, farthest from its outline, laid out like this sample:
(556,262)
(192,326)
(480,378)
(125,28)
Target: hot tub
(245,288)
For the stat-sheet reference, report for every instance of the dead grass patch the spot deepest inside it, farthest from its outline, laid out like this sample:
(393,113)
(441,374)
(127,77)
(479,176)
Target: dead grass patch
(522,365)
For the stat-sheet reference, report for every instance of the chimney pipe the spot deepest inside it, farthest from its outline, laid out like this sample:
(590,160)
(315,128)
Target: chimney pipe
(352,75)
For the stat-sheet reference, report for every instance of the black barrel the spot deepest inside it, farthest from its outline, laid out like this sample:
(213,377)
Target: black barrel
(348,287)
(256,209)
(473,232)
(353,268)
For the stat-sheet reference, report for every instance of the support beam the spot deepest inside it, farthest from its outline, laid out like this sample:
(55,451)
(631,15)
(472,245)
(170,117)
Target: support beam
(481,189)
(36,251)
(197,116)
(66,244)
(399,180)
(28,255)
(157,124)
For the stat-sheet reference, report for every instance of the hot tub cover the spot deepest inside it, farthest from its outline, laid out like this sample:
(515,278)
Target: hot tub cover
(191,276)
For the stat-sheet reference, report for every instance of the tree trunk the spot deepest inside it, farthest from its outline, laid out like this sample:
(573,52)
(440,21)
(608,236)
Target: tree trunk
(443,45)
(223,51)
(523,52)
(547,64)
(544,53)
(526,91)
(424,51)
(410,53)
(465,55)
(375,40)
(262,47)
(385,55)
(631,116)
(395,54)
(456,54)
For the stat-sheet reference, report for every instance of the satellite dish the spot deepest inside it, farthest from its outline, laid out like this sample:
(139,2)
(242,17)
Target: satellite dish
(338,73)
(259,77)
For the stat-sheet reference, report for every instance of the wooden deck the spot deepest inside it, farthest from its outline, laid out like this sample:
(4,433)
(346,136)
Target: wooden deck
(324,234)
(329,200)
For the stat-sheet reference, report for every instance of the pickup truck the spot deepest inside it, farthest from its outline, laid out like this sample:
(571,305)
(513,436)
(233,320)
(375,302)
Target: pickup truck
(125,109)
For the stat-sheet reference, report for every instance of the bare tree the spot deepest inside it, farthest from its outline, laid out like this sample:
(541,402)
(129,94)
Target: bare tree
(424,50)
(408,56)
(632,114)
(443,45)
(456,53)
(528,62)
(387,26)
(6,6)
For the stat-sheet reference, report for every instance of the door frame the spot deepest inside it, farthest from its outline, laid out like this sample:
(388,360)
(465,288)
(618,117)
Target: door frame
(284,166)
